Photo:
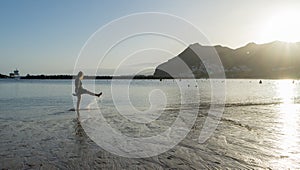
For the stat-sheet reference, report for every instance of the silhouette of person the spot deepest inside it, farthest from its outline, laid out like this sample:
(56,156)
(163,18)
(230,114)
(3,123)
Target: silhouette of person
(79,90)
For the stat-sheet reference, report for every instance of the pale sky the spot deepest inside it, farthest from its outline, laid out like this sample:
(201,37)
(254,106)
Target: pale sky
(45,37)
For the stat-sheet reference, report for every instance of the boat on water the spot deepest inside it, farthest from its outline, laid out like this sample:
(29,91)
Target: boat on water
(15,74)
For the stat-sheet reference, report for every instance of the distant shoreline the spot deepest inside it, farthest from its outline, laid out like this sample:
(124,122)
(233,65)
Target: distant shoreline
(145,77)
(66,77)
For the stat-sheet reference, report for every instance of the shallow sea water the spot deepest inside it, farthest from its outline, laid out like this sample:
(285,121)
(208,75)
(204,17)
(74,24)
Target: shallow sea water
(259,129)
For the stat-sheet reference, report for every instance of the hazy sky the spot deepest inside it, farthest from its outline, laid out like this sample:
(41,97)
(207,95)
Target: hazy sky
(46,36)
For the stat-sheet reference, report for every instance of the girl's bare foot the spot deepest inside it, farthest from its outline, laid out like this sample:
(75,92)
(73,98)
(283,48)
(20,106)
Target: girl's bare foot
(98,95)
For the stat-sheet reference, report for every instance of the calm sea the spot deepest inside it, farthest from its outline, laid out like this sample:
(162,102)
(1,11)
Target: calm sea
(259,129)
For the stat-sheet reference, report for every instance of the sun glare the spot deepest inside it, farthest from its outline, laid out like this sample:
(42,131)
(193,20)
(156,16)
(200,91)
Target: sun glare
(288,117)
(285,90)
(282,26)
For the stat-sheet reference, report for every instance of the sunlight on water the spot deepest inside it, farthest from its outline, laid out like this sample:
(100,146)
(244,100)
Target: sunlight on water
(285,90)
(288,116)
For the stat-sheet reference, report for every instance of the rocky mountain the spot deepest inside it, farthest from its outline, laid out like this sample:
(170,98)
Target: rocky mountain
(272,60)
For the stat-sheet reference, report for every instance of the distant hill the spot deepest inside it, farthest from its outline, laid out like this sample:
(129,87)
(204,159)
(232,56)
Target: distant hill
(272,60)
(3,76)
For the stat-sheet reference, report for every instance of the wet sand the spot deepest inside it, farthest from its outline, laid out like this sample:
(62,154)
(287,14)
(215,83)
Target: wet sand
(60,143)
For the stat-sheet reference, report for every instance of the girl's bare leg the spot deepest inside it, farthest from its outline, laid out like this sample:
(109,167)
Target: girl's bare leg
(78,105)
(91,93)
